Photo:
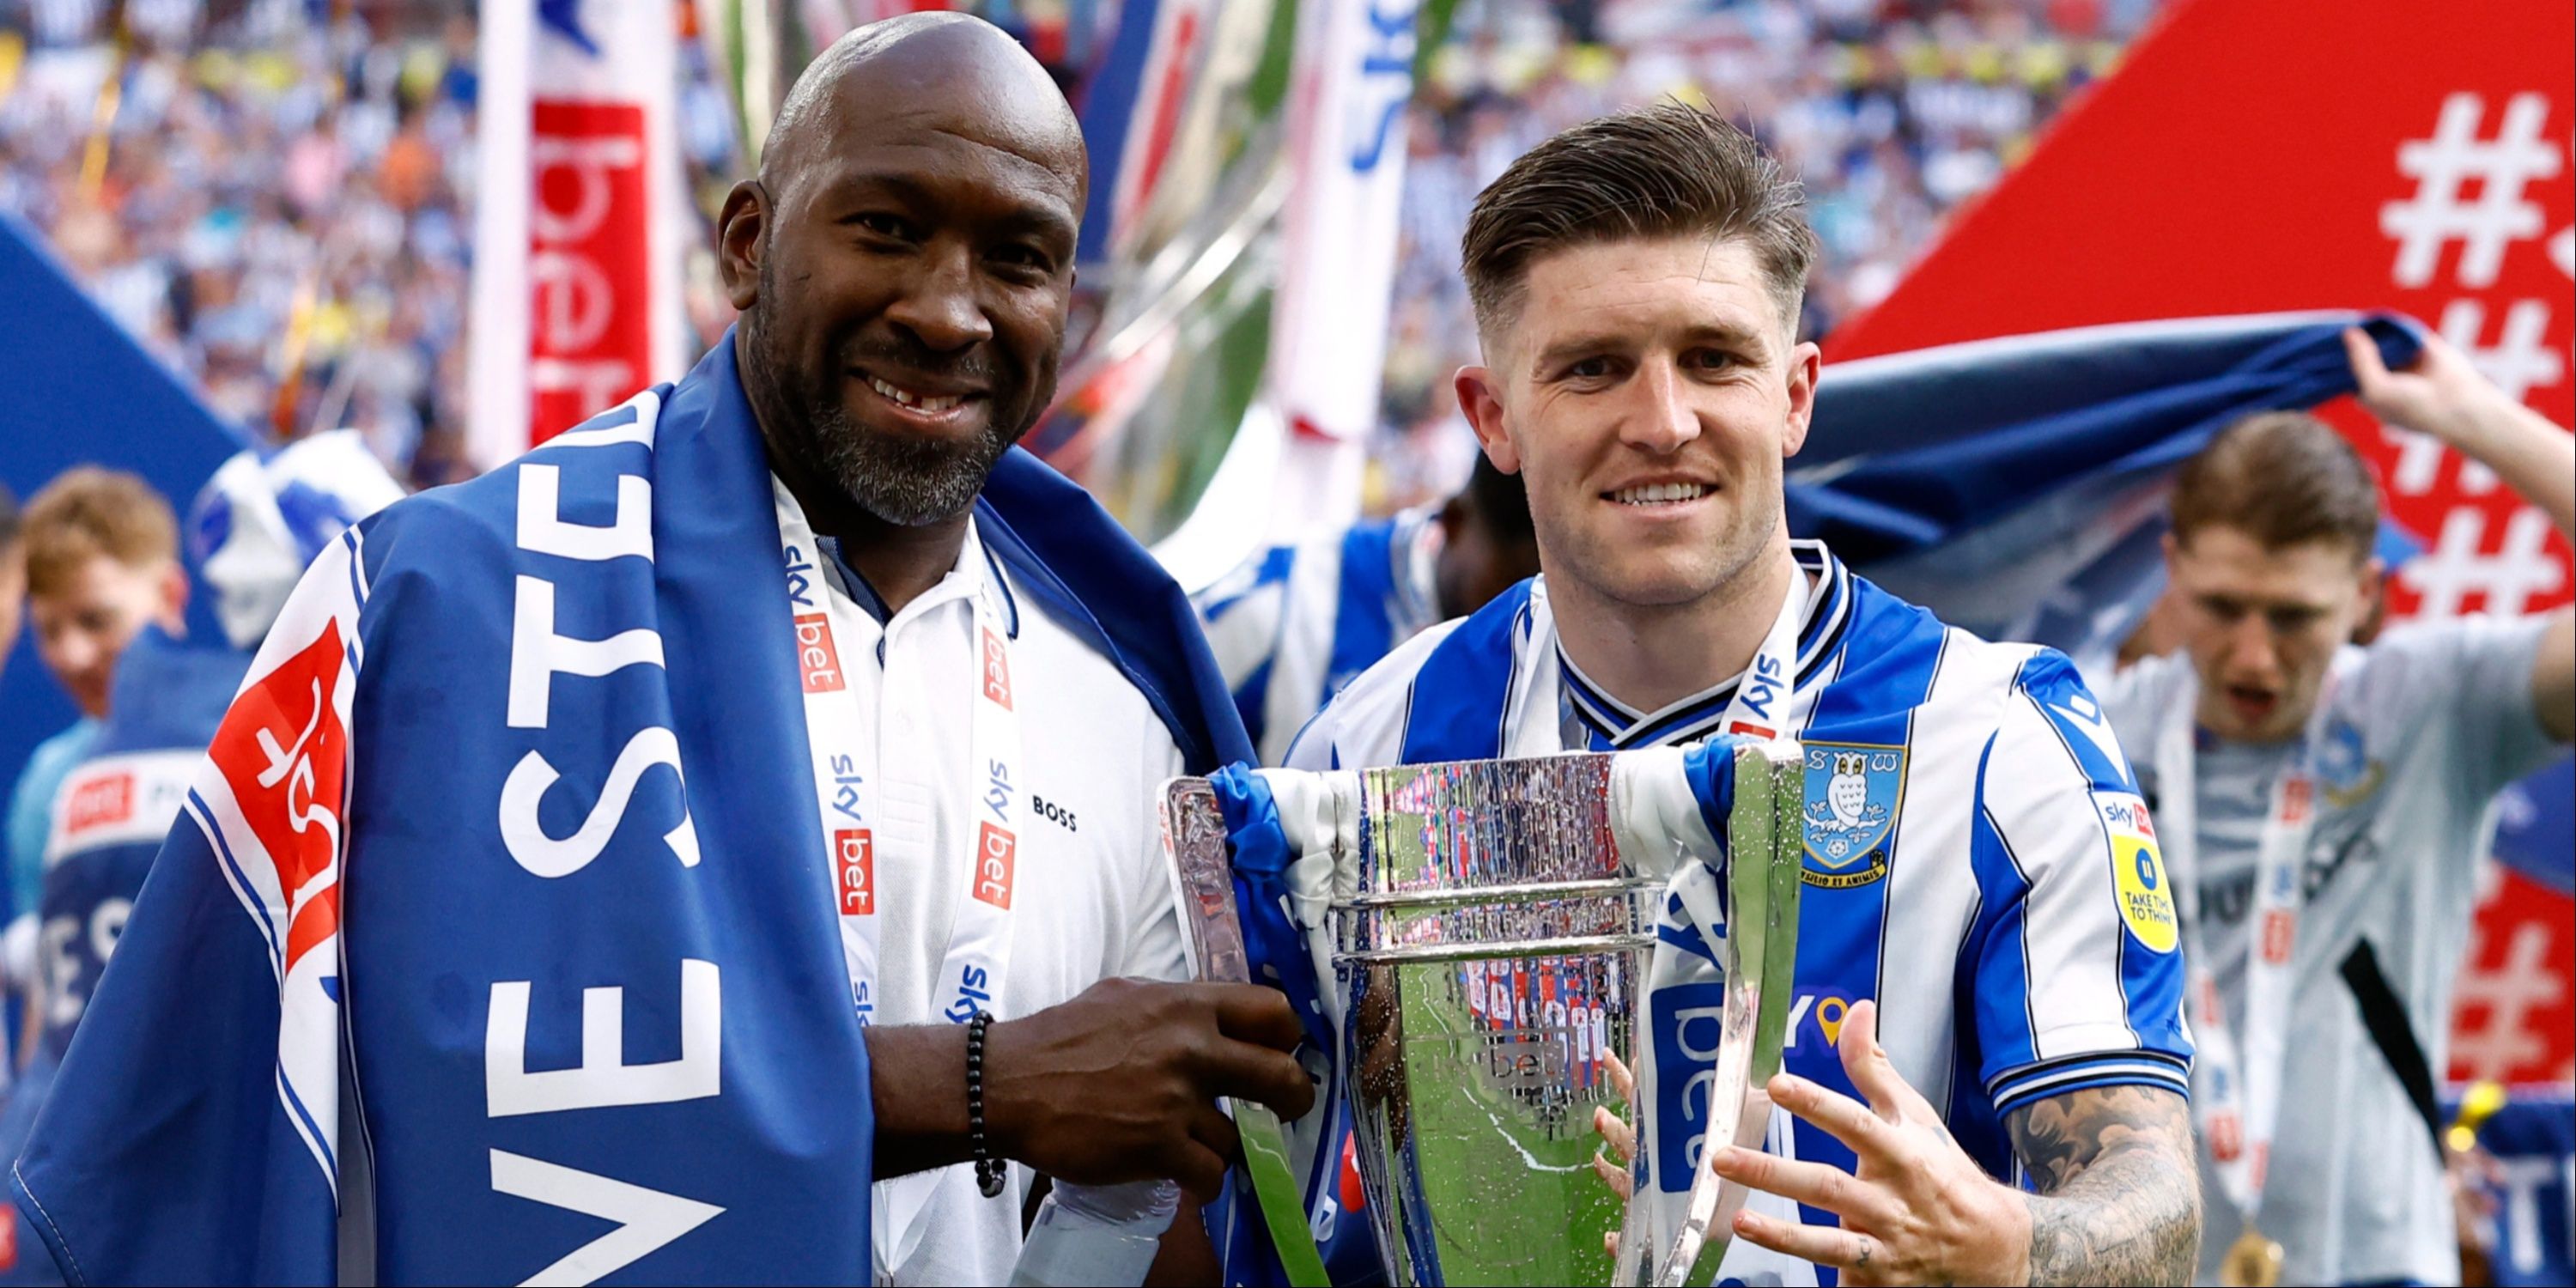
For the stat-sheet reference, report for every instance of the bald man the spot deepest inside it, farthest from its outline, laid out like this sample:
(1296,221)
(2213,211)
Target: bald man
(747,869)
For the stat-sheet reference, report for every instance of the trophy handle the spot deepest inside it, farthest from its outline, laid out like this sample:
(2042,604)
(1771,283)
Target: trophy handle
(1194,837)
(1766,848)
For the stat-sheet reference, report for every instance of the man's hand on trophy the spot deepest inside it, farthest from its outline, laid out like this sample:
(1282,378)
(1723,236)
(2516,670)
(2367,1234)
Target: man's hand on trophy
(1919,1210)
(1618,1140)
(1121,1083)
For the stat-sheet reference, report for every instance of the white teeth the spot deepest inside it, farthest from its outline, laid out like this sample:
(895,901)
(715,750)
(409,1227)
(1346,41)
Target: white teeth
(1659,493)
(913,400)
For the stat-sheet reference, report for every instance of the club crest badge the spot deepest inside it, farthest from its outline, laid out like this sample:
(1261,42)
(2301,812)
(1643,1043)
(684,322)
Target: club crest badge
(1854,792)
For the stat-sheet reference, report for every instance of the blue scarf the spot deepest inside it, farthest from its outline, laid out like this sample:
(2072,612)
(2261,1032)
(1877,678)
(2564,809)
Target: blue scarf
(408,1051)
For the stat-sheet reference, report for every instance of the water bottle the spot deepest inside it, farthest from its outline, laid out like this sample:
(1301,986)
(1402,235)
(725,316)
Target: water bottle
(1096,1234)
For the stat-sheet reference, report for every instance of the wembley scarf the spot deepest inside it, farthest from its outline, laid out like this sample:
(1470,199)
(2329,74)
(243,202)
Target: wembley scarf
(496,942)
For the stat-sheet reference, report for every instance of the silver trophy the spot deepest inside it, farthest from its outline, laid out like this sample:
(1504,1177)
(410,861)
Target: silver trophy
(1490,931)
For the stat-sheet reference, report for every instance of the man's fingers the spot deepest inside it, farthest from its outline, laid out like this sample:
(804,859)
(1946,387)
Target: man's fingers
(1242,1071)
(1814,1184)
(1198,1171)
(1846,1119)
(2367,370)
(1822,1244)
(1616,1132)
(1615,1177)
(1872,1074)
(1253,1013)
(1217,1133)
(1621,1081)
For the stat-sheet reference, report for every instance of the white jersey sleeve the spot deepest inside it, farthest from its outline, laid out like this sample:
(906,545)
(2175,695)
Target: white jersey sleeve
(1363,725)
(2075,949)
(2467,680)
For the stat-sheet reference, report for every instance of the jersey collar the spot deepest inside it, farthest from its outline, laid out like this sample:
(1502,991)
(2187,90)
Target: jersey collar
(1693,718)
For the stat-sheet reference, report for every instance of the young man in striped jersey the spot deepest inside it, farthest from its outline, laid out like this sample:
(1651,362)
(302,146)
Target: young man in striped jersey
(1986,935)
(1294,623)
(2326,806)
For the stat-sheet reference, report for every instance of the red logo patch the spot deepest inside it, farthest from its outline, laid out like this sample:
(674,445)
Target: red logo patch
(997,853)
(997,671)
(816,655)
(2279,929)
(2295,796)
(283,752)
(856,857)
(2226,1137)
(100,800)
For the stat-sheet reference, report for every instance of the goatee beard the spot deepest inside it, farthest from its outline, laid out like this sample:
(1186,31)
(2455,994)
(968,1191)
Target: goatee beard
(901,479)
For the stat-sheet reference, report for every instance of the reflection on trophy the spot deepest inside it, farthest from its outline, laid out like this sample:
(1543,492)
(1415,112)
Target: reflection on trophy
(1492,931)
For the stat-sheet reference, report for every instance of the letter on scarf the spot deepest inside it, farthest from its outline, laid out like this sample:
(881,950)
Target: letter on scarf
(603,1078)
(548,857)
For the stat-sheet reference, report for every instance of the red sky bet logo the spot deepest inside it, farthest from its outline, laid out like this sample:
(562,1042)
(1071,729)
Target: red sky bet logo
(817,657)
(855,859)
(107,799)
(997,674)
(997,853)
(283,752)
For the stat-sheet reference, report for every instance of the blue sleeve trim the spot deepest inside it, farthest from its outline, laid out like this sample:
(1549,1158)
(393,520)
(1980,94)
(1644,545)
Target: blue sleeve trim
(2015,1088)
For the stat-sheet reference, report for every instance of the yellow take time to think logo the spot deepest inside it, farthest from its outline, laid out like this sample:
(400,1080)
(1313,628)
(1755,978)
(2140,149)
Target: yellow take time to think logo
(2138,871)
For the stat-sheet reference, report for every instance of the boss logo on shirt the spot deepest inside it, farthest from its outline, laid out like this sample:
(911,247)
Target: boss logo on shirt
(1053,813)
(817,658)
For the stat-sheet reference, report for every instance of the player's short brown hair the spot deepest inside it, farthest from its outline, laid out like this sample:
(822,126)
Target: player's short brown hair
(88,512)
(1668,170)
(2283,478)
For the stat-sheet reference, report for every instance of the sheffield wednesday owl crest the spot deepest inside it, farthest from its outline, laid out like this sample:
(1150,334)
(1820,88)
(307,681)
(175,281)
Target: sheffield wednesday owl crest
(1854,791)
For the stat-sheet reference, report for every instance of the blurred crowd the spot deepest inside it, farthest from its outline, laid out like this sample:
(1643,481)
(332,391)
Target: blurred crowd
(280,207)
(1893,113)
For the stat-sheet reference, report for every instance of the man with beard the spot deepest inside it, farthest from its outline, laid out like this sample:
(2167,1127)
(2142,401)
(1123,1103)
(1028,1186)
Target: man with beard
(691,846)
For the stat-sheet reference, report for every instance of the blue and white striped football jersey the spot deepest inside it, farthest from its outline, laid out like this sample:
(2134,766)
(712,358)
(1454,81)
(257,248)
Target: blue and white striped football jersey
(1977,857)
(1294,623)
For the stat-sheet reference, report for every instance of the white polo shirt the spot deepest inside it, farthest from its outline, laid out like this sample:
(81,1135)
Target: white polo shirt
(1093,899)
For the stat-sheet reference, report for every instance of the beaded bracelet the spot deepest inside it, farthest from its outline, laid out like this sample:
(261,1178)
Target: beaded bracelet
(988,1169)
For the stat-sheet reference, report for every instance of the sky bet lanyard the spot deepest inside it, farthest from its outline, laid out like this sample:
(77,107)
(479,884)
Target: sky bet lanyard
(2236,1073)
(1764,701)
(979,942)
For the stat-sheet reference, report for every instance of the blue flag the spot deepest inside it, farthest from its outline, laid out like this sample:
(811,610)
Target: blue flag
(494,940)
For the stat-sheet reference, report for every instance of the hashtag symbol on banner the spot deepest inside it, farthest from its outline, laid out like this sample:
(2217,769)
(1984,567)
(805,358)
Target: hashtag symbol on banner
(2456,568)
(2513,994)
(2519,362)
(2442,166)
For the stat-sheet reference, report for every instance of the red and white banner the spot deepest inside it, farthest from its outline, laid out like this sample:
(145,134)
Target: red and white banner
(2257,156)
(580,221)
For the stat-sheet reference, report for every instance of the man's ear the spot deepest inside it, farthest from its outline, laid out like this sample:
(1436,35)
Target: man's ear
(174,597)
(1806,361)
(741,228)
(1480,400)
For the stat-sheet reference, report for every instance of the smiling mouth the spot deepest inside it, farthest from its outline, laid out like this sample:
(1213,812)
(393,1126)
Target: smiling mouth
(921,402)
(1654,494)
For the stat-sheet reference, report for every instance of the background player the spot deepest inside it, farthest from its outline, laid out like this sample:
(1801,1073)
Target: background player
(2334,798)
(1294,623)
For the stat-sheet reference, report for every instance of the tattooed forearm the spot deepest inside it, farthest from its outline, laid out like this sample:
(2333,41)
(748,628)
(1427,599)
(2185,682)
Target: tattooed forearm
(2119,1196)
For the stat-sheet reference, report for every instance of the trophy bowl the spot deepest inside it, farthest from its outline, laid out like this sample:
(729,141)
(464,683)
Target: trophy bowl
(1495,932)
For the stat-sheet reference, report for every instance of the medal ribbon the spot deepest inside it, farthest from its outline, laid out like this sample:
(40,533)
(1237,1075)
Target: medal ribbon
(2236,1074)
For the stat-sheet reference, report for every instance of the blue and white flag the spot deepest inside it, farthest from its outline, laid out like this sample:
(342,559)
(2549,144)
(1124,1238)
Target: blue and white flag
(2017,486)
(496,942)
